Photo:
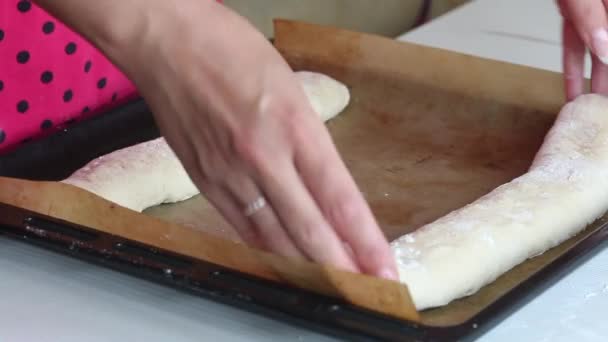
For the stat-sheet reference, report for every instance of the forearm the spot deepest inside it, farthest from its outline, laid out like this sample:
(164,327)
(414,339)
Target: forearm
(121,28)
(107,24)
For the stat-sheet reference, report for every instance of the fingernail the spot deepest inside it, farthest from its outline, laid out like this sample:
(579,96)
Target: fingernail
(389,274)
(600,44)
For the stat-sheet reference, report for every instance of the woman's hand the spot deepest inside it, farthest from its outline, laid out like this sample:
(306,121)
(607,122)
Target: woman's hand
(585,27)
(231,108)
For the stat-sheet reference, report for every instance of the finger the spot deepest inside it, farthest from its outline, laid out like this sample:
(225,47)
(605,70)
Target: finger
(573,61)
(599,77)
(591,22)
(267,226)
(302,218)
(599,71)
(344,206)
(218,197)
(224,203)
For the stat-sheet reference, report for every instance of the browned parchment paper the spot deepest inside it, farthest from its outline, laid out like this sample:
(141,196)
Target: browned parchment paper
(429,131)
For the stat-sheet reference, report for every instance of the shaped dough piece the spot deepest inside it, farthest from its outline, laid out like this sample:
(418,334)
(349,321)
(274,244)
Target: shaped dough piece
(327,96)
(565,189)
(149,174)
(137,177)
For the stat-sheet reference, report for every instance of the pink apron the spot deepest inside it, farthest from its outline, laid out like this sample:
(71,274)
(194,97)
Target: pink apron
(50,77)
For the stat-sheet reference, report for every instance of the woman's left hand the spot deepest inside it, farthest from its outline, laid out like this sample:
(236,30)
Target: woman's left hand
(585,26)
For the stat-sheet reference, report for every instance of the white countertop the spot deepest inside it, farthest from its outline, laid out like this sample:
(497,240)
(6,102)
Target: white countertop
(48,297)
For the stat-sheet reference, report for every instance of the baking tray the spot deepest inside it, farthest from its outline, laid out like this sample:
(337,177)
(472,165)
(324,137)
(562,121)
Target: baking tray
(427,131)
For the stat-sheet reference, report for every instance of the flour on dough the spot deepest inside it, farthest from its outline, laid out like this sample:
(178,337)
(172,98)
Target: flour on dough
(149,174)
(565,189)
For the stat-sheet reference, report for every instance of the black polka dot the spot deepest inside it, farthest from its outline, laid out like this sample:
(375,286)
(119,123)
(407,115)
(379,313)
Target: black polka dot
(46,124)
(23,57)
(114,97)
(102,83)
(67,95)
(87,66)
(70,48)
(24,6)
(26,140)
(1,85)
(48,27)
(1,35)
(46,77)
(86,110)
(71,121)
(23,106)
(2,136)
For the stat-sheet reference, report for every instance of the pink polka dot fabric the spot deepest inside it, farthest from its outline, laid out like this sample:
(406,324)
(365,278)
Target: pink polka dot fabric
(50,77)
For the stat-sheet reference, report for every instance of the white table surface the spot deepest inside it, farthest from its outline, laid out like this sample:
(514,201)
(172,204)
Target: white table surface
(48,297)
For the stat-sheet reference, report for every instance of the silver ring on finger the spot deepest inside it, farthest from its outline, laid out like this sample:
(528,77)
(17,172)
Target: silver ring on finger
(255,206)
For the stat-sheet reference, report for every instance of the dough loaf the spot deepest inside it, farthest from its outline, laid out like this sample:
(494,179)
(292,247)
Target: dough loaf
(149,174)
(565,189)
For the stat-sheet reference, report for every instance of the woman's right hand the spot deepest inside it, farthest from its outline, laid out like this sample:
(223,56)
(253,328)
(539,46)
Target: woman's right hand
(233,112)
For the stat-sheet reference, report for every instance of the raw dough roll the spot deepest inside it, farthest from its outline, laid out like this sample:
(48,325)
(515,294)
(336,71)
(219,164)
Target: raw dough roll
(565,189)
